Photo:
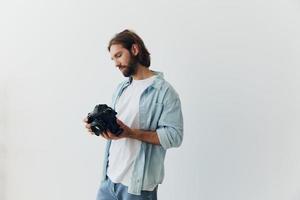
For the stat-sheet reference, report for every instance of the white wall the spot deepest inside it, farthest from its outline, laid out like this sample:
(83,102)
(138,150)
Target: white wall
(235,65)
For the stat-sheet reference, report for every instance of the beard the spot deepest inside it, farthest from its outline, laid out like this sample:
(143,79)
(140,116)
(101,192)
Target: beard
(130,68)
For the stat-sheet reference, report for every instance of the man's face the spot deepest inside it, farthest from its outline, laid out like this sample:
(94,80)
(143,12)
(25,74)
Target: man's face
(124,59)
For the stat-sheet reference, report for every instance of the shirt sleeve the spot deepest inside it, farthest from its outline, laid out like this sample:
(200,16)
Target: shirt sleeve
(170,124)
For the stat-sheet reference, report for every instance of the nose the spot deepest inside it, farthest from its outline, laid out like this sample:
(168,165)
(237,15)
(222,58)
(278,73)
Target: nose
(117,63)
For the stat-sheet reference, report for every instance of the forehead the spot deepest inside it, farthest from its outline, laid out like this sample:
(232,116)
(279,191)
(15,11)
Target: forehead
(115,48)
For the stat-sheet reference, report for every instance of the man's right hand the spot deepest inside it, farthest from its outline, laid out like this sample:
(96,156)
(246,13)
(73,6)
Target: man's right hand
(88,126)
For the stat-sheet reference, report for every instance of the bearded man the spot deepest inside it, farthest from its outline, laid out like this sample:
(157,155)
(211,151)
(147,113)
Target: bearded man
(149,112)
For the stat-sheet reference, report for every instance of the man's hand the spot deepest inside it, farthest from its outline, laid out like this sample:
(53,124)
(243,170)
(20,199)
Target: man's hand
(145,136)
(127,132)
(88,127)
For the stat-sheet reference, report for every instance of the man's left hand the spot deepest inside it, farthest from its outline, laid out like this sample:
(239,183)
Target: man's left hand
(127,132)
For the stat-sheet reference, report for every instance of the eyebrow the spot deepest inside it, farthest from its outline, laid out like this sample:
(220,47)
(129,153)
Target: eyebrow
(116,54)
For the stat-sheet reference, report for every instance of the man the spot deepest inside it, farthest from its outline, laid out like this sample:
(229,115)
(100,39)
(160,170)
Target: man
(149,112)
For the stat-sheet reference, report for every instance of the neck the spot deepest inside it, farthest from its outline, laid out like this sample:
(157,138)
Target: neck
(142,72)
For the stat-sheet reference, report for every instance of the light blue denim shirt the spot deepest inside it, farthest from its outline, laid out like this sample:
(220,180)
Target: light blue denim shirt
(160,111)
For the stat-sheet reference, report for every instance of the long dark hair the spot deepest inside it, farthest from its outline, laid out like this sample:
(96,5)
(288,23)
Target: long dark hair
(127,38)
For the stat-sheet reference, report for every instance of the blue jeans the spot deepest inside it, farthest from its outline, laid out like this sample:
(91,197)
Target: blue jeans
(117,191)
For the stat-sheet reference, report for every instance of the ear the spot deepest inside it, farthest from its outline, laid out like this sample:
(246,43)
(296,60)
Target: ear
(135,49)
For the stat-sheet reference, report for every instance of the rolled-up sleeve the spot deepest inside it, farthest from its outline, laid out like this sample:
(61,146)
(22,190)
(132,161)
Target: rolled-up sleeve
(170,125)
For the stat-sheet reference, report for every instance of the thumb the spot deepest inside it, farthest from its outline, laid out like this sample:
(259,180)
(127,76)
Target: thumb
(120,122)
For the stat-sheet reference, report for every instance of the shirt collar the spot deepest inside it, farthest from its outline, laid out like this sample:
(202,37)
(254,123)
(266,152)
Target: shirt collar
(156,83)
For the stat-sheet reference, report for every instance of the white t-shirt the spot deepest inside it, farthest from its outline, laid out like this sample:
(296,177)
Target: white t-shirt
(123,152)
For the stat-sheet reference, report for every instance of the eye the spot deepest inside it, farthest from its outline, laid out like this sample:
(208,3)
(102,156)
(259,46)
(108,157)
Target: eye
(119,55)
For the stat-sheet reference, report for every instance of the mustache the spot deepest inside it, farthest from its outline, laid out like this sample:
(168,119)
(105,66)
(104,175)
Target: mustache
(121,66)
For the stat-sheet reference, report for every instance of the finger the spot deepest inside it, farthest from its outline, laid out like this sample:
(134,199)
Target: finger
(85,119)
(105,135)
(88,126)
(111,135)
(120,122)
(90,131)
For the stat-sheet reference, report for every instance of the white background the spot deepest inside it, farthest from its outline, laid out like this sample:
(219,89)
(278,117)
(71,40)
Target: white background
(235,65)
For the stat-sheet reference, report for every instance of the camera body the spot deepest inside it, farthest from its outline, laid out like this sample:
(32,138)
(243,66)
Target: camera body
(103,118)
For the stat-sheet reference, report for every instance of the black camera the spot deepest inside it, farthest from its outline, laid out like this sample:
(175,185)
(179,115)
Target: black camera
(103,118)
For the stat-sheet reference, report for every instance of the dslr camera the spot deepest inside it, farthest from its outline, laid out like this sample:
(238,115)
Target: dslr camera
(103,118)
